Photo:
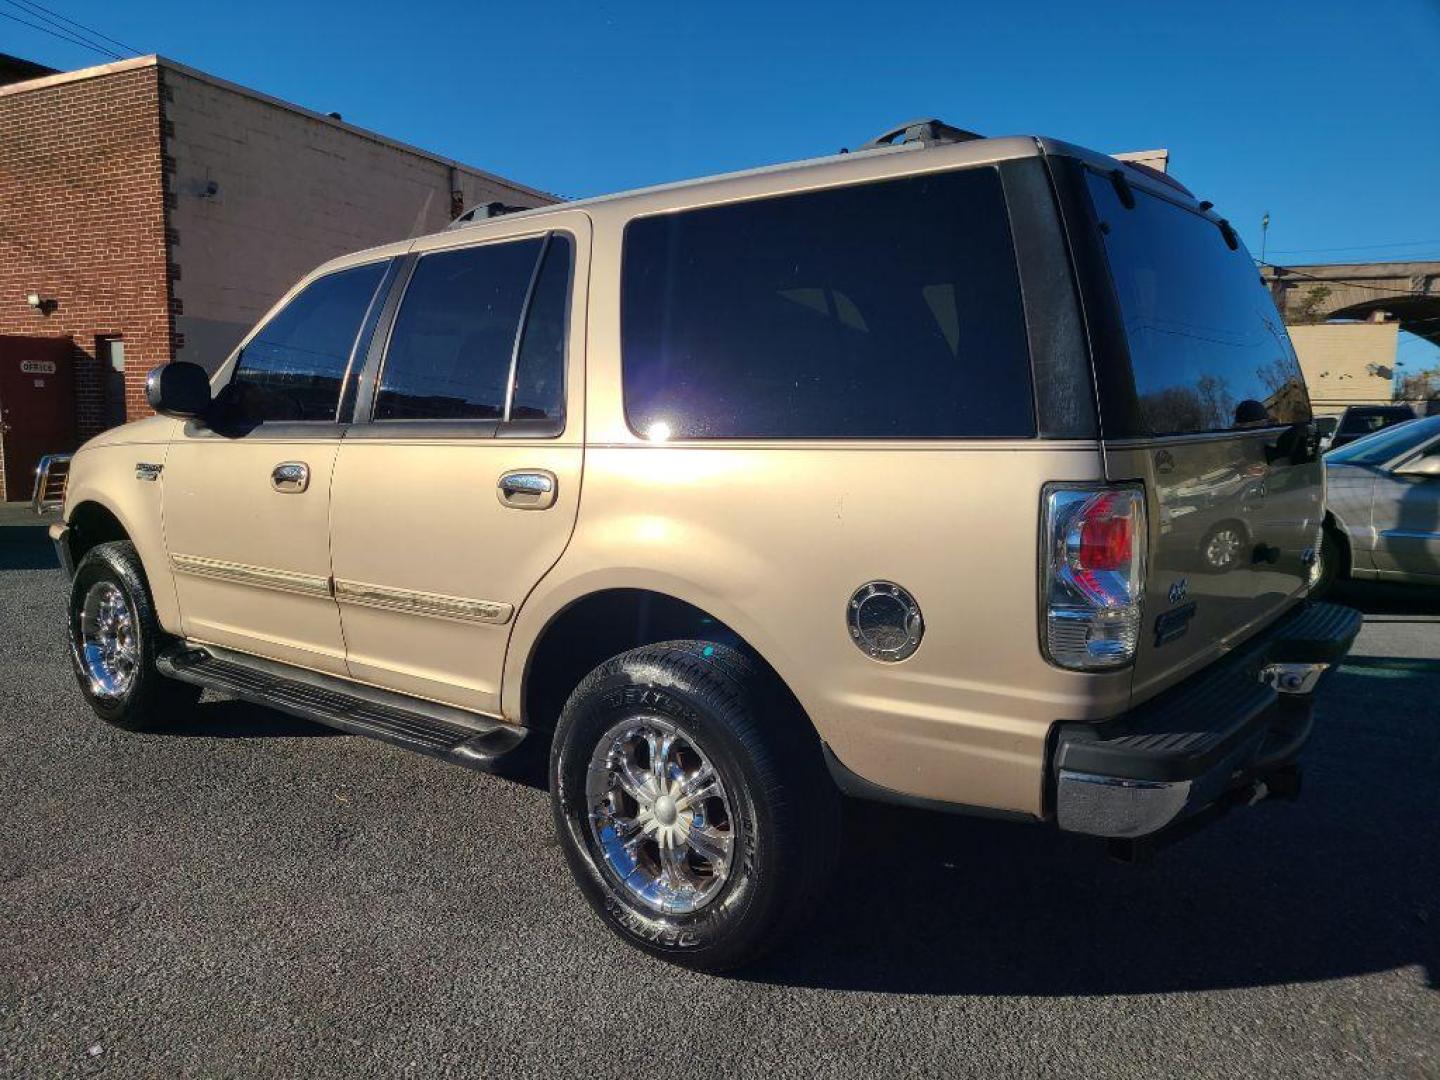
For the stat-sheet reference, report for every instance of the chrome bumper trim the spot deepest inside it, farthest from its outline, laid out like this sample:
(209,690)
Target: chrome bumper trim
(1115,806)
(1292,678)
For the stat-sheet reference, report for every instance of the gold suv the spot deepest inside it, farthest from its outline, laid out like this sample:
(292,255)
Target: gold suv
(958,472)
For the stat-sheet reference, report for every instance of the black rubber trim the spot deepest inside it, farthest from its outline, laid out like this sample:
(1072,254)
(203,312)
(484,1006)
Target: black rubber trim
(478,742)
(64,554)
(857,787)
(1059,361)
(1190,729)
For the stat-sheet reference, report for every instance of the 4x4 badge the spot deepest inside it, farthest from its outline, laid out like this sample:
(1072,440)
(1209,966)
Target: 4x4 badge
(1179,591)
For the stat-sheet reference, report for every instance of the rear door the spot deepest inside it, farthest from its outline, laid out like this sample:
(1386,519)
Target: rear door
(1202,399)
(457,488)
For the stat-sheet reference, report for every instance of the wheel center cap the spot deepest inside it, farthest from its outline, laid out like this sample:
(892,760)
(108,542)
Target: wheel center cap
(665,810)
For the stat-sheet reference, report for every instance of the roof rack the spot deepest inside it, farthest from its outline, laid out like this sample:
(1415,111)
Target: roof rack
(484,212)
(931,131)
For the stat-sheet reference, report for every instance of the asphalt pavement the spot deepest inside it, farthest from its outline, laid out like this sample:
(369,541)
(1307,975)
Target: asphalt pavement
(248,894)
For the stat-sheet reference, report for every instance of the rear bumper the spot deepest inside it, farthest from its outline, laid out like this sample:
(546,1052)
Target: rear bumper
(1231,731)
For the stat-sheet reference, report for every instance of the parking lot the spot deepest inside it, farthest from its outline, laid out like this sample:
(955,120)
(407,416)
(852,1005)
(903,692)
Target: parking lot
(251,894)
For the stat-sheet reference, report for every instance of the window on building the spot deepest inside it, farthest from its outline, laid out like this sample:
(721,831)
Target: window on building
(293,369)
(882,310)
(110,351)
(449,353)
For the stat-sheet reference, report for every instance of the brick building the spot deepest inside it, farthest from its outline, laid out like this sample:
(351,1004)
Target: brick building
(151,211)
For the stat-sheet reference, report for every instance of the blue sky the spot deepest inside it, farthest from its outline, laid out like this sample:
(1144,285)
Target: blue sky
(1322,113)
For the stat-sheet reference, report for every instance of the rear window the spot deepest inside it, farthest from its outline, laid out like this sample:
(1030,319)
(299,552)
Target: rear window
(886,310)
(1364,421)
(1208,350)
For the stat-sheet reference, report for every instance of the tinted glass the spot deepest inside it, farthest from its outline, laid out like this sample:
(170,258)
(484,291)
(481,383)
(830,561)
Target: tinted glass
(449,353)
(1392,442)
(540,372)
(1208,350)
(1364,421)
(879,310)
(293,368)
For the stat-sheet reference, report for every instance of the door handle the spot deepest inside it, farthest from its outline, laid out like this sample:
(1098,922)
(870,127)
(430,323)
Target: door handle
(290,477)
(527,489)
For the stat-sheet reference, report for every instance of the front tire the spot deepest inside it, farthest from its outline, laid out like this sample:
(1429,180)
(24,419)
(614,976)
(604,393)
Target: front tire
(692,803)
(114,639)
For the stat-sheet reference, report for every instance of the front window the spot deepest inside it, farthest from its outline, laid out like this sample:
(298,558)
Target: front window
(1208,350)
(294,367)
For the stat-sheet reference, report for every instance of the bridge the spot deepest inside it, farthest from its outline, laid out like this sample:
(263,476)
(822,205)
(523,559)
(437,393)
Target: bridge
(1407,291)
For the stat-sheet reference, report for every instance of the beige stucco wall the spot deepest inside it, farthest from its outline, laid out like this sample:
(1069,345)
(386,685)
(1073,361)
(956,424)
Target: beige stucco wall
(1340,361)
(292,189)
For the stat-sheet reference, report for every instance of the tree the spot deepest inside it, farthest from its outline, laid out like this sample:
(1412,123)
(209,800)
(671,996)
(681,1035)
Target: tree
(1308,310)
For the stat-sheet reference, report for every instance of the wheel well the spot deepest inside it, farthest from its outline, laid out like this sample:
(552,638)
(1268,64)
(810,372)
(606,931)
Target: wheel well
(1342,537)
(91,524)
(605,624)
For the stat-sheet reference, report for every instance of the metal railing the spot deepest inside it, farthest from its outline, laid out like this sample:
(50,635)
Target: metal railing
(50,477)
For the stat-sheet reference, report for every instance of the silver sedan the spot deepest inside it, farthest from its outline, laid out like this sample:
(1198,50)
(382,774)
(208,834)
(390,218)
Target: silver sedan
(1383,505)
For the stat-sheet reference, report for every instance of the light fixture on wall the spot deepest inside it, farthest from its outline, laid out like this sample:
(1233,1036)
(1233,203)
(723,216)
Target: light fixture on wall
(209,191)
(43,304)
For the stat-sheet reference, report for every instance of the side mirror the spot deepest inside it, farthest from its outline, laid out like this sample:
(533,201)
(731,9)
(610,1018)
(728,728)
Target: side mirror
(179,388)
(1423,467)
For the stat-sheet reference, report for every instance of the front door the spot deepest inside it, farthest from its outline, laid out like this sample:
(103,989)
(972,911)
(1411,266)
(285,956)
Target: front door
(247,494)
(459,489)
(1406,512)
(37,407)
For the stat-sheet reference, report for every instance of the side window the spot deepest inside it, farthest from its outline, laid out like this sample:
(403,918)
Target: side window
(449,352)
(294,367)
(881,310)
(539,392)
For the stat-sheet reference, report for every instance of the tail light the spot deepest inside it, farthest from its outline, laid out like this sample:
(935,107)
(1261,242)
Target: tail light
(1093,580)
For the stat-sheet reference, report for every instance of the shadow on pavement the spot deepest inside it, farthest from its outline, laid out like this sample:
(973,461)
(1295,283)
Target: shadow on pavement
(1387,602)
(26,547)
(1341,883)
(231,719)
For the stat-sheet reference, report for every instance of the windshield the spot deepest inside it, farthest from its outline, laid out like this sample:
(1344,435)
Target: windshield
(1208,350)
(1388,443)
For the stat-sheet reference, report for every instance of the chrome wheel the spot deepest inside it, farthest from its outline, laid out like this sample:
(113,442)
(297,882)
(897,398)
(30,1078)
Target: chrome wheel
(659,815)
(108,646)
(1223,548)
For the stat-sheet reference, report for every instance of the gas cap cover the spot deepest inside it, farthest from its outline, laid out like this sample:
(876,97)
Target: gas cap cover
(885,621)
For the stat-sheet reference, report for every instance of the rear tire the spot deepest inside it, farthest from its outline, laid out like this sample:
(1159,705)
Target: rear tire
(710,884)
(114,639)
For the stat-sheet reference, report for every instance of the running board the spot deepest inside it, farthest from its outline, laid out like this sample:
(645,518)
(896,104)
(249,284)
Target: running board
(464,738)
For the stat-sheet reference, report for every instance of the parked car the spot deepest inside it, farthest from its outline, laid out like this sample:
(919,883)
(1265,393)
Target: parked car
(1384,506)
(1325,429)
(734,496)
(1360,420)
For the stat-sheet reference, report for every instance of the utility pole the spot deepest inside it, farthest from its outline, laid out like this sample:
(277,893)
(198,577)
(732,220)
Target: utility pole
(1264,233)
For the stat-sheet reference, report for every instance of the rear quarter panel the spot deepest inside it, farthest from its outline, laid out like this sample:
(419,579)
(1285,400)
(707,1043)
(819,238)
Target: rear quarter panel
(774,540)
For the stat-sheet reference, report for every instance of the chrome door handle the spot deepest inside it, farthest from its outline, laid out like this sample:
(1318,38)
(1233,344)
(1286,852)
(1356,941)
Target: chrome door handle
(290,477)
(527,489)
